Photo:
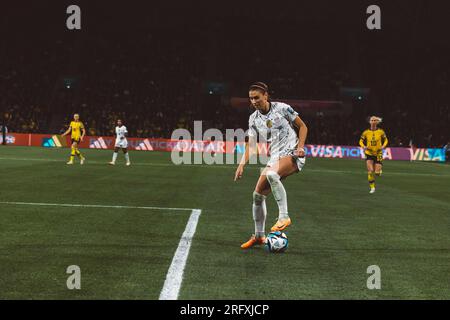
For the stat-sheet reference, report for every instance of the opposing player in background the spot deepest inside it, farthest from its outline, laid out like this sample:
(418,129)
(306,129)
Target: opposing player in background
(121,143)
(274,122)
(373,141)
(76,128)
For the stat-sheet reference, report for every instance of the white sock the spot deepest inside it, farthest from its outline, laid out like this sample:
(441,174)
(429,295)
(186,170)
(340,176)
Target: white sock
(127,157)
(259,214)
(279,193)
(114,157)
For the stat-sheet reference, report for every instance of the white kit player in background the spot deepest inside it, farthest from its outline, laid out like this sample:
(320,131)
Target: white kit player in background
(121,143)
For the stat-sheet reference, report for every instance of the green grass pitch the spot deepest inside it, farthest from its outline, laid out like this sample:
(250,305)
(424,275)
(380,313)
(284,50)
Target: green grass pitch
(338,229)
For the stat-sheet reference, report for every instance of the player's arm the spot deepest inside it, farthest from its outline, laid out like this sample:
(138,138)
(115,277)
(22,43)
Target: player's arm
(362,140)
(125,134)
(302,133)
(250,149)
(292,116)
(384,140)
(83,132)
(67,131)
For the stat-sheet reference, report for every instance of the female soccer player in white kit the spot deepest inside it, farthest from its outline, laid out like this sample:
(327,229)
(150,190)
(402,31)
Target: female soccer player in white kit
(121,143)
(274,122)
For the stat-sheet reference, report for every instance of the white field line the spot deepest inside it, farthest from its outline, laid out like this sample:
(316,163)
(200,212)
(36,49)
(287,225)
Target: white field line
(90,206)
(174,278)
(223,166)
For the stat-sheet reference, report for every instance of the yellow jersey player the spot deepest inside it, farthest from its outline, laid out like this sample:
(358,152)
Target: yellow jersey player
(373,141)
(76,128)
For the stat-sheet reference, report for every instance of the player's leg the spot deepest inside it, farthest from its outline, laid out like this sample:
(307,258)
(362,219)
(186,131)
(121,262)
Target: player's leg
(78,153)
(72,152)
(259,208)
(378,169)
(280,170)
(114,157)
(370,174)
(379,165)
(127,156)
(259,211)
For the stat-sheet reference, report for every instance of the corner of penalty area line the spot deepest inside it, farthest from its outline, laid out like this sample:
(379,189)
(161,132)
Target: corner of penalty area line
(174,278)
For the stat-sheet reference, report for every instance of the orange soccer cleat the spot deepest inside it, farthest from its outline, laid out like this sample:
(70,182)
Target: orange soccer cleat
(253,241)
(281,225)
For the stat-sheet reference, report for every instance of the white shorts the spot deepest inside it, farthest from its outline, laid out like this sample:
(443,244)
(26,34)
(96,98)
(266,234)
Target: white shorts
(121,143)
(299,161)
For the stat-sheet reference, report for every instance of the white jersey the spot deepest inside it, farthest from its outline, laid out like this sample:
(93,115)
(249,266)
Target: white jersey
(276,128)
(121,140)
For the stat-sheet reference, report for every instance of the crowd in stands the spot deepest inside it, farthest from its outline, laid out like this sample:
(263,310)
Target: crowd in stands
(156,85)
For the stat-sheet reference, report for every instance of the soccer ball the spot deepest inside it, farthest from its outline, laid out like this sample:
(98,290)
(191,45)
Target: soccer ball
(276,242)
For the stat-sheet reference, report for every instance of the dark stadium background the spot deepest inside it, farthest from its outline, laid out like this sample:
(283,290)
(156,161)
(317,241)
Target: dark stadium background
(156,63)
(160,65)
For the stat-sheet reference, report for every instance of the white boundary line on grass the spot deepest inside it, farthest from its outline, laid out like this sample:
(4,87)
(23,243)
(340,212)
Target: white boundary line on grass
(90,206)
(174,277)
